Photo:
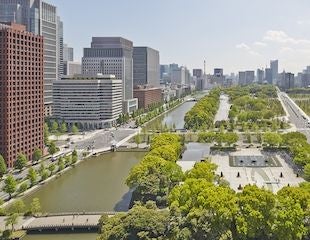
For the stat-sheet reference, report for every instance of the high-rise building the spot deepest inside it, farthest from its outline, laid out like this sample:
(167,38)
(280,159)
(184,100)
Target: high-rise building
(146,70)
(242,78)
(21,91)
(274,66)
(218,72)
(164,69)
(112,55)
(260,76)
(286,80)
(68,53)
(72,68)
(268,75)
(40,18)
(60,48)
(92,102)
(147,96)
(249,77)
(197,73)
(178,76)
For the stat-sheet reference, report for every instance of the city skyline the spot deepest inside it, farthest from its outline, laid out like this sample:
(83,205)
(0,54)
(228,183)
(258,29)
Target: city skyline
(249,41)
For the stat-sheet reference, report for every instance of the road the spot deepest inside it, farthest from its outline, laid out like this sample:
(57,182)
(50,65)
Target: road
(296,115)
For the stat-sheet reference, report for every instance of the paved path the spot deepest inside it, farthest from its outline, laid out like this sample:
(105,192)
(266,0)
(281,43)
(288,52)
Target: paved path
(223,111)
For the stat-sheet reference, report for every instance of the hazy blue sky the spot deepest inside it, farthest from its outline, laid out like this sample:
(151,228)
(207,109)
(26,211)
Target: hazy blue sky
(233,34)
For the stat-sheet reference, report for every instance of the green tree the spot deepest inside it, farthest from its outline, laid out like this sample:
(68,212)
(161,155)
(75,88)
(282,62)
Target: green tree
(63,128)
(61,165)
(37,154)
(23,187)
(137,139)
(44,175)
(74,129)
(10,185)
(51,168)
(52,149)
(11,220)
(254,220)
(18,207)
(35,206)
(202,170)
(46,133)
(307,172)
(21,161)
(2,166)
(54,126)
(32,176)
(272,139)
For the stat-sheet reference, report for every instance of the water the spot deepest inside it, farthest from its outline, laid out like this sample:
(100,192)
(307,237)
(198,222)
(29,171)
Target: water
(79,236)
(97,184)
(172,118)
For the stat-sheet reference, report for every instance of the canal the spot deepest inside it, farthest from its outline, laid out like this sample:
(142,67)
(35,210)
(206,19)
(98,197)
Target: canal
(97,184)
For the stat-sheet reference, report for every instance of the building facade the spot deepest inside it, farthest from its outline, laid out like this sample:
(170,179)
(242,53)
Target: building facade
(72,68)
(21,92)
(274,66)
(90,102)
(147,96)
(112,55)
(146,68)
(39,18)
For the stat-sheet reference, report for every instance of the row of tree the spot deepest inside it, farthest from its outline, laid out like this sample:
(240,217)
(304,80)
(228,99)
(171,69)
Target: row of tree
(201,116)
(157,173)
(12,186)
(227,138)
(203,208)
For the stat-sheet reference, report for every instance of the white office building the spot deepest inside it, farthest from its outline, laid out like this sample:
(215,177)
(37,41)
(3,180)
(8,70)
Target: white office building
(90,102)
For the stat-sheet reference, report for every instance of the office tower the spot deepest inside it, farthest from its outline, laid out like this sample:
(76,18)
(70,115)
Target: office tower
(146,70)
(112,55)
(68,53)
(249,77)
(164,70)
(21,91)
(286,80)
(242,78)
(98,105)
(268,75)
(218,72)
(197,73)
(60,48)
(147,96)
(40,18)
(178,76)
(260,76)
(72,68)
(274,66)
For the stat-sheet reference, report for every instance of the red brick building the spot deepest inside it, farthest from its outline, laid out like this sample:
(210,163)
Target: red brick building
(21,92)
(147,96)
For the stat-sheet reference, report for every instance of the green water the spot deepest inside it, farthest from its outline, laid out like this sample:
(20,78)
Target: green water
(80,236)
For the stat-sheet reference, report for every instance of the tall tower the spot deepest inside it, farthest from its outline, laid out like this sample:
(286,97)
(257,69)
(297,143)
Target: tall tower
(21,91)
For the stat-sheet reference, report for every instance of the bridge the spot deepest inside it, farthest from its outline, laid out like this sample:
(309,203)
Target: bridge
(64,222)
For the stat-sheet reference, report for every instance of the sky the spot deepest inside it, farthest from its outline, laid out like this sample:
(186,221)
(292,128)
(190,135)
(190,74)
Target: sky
(231,34)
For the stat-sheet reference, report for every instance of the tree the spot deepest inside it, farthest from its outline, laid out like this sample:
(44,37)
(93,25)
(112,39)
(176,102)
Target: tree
(74,157)
(11,220)
(37,154)
(272,139)
(32,176)
(202,170)
(63,128)
(61,164)
(18,207)
(35,206)
(44,175)
(137,139)
(141,222)
(74,129)
(10,185)
(51,168)
(46,133)
(2,166)
(52,149)
(21,161)
(23,187)
(54,126)
(307,172)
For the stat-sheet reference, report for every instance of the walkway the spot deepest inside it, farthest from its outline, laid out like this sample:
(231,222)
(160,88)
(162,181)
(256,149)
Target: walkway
(223,111)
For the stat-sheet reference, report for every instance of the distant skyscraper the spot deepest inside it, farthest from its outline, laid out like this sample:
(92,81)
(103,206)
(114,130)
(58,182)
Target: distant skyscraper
(68,53)
(274,66)
(178,76)
(21,91)
(60,47)
(260,76)
(249,77)
(146,70)
(112,55)
(268,75)
(242,78)
(197,73)
(40,18)
(218,72)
